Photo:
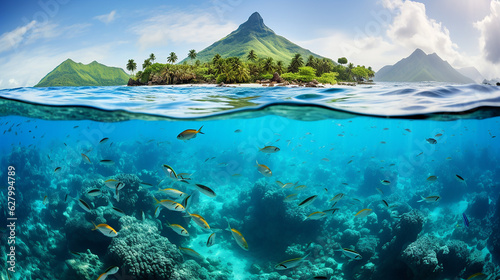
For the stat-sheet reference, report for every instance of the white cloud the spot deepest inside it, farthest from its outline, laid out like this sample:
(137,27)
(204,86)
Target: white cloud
(179,27)
(490,33)
(14,38)
(107,18)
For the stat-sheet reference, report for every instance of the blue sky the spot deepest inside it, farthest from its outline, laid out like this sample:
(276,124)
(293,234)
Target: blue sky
(36,36)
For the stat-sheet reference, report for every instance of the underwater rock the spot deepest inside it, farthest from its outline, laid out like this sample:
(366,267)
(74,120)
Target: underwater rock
(367,246)
(455,257)
(349,237)
(421,258)
(86,266)
(80,236)
(494,239)
(479,206)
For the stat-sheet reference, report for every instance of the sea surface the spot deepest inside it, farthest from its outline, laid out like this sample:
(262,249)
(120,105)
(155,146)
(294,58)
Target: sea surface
(384,181)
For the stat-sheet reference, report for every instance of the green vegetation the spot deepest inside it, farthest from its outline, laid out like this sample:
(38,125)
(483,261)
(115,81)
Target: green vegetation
(236,70)
(256,38)
(131,66)
(70,73)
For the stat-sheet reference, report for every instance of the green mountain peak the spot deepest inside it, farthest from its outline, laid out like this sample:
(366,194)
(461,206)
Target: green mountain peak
(253,35)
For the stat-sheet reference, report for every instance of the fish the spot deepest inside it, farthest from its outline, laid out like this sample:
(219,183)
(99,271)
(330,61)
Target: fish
(299,188)
(146,185)
(186,202)
(57,169)
(173,192)
(205,190)
(190,252)
(430,199)
(236,175)
(363,213)
(94,192)
(264,170)
(316,215)
(114,184)
(350,253)
(290,263)
(325,159)
(290,197)
(189,134)
(385,182)
(421,153)
(238,237)
(432,178)
(349,161)
(117,211)
(337,197)
(431,141)
(169,171)
(200,221)
(157,211)
(269,149)
(45,200)
(459,178)
(104,140)
(178,229)
(466,220)
(107,162)
(211,240)
(478,275)
(385,203)
(111,270)
(105,229)
(380,191)
(86,158)
(237,131)
(307,201)
(170,205)
(143,216)
(85,206)
(66,197)
(438,135)
(407,129)
(331,211)
(320,277)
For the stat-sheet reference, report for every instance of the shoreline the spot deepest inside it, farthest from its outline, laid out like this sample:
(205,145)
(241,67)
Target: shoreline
(254,85)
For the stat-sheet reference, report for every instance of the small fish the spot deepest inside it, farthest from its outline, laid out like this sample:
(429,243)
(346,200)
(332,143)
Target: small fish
(104,140)
(290,263)
(205,190)
(438,135)
(66,197)
(173,192)
(407,129)
(307,201)
(290,198)
(237,131)
(105,229)
(178,229)
(200,221)
(143,216)
(432,178)
(299,188)
(190,252)
(430,199)
(459,178)
(189,134)
(57,169)
(466,220)
(85,206)
(238,237)
(146,185)
(385,182)
(331,211)
(325,159)
(477,276)
(380,191)
(351,253)
(385,203)
(264,170)
(86,158)
(337,197)
(211,240)
(448,158)
(117,211)
(316,215)
(169,171)
(157,211)
(45,201)
(320,277)
(269,149)
(170,205)
(349,161)
(186,202)
(421,153)
(236,175)
(431,141)
(107,162)
(363,213)
(94,192)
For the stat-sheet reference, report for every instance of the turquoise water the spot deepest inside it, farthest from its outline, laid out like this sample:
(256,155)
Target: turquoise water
(325,149)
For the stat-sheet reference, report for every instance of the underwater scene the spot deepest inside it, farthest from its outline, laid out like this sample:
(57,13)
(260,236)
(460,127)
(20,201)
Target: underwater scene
(251,183)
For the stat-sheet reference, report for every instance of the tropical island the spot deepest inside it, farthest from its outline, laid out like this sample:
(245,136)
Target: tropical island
(251,54)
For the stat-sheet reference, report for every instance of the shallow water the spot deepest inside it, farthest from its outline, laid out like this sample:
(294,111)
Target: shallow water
(323,152)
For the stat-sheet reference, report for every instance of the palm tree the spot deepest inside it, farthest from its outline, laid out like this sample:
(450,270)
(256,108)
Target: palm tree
(311,61)
(152,57)
(279,67)
(297,62)
(241,74)
(268,64)
(252,56)
(146,63)
(216,58)
(192,54)
(131,66)
(350,66)
(172,58)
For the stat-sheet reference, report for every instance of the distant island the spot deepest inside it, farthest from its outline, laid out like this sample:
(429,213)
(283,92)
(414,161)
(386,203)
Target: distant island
(421,67)
(72,74)
(252,53)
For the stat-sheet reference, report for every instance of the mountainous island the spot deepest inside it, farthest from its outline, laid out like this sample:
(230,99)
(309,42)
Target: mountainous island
(421,67)
(253,35)
(72,74)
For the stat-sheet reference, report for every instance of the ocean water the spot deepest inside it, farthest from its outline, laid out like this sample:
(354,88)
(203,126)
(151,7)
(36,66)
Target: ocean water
(386,181)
